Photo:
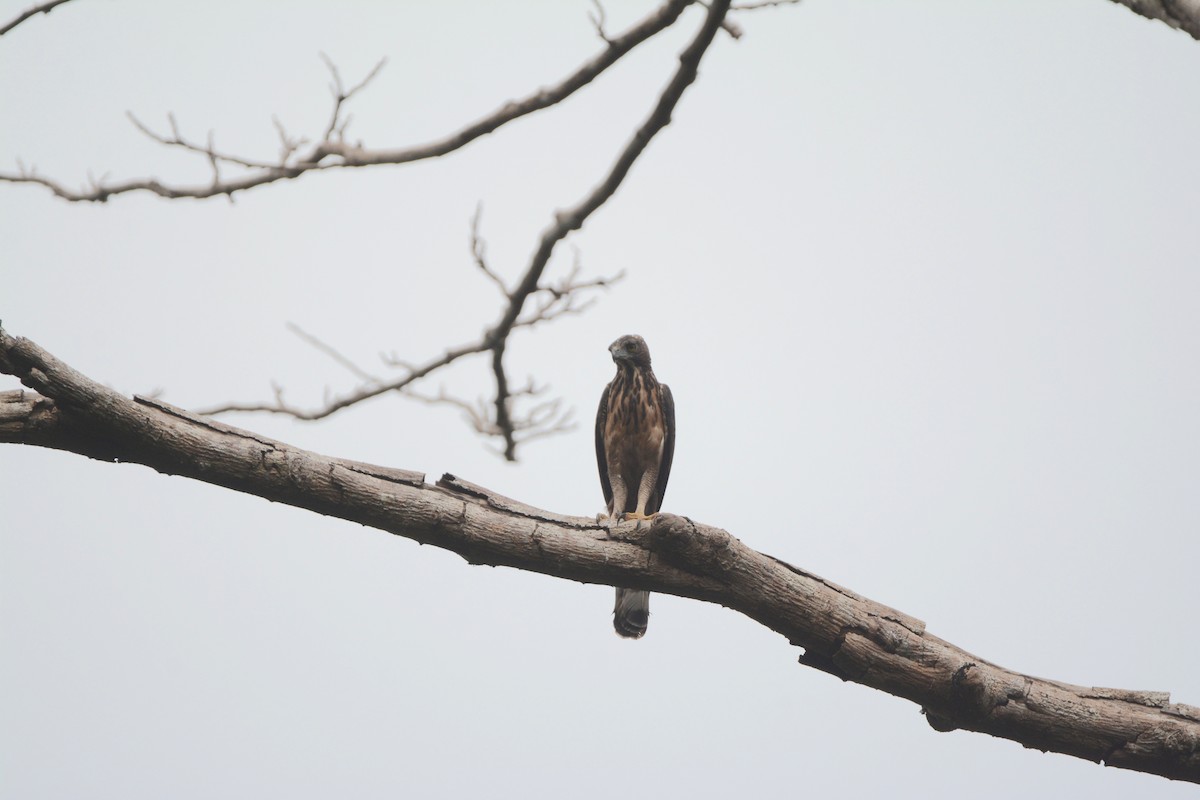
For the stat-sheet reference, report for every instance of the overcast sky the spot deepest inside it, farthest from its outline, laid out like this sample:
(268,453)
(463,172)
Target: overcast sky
(923,279)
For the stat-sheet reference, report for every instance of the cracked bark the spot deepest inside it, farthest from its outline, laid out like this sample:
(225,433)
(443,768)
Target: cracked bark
(842,633)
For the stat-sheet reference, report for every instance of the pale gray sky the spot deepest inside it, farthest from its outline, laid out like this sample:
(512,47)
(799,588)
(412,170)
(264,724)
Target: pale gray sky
(943,252)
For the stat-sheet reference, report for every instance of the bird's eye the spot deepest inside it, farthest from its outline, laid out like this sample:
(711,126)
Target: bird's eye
(631,347)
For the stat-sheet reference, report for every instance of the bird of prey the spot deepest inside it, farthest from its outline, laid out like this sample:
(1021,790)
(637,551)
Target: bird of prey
(635,444)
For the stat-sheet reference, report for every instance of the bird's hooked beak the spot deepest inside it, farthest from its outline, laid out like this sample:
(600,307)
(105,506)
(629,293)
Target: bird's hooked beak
(617,353)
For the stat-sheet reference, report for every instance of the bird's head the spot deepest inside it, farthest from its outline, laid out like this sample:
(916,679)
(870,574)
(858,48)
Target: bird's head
(630,351)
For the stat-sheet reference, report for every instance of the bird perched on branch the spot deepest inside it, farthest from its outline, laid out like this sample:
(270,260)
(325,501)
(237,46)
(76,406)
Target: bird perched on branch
(635,444)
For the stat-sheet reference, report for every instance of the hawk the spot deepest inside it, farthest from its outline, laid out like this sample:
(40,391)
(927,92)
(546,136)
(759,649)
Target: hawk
(635,444)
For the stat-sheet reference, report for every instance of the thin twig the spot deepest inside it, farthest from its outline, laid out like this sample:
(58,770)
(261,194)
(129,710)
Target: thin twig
(213,162)
(288,145)
(40,8)
(340,96)
(599,21)
(208,151)
(333,353)
(479,252)
(762,4)
(729,26)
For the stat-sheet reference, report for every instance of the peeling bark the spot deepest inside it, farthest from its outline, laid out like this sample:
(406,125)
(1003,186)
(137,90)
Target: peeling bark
(842,633)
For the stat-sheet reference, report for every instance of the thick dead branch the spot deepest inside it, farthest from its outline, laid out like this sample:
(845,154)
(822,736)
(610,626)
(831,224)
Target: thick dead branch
(333,152)
(843,633)
(1181,14)
(40,8)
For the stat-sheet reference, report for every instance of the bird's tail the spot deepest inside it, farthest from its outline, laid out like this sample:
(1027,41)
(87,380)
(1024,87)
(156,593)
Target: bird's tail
(631,613)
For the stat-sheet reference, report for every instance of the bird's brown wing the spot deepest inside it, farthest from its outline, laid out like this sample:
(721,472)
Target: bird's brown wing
(668,451)
(601,458)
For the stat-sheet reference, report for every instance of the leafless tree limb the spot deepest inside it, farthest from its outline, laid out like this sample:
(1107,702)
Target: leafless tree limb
(572,219)
(40,8)
(843,633)
(333,152)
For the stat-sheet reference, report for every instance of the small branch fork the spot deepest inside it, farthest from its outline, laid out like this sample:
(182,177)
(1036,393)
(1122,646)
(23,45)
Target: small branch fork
(40,8)
(843,633)
(298,156)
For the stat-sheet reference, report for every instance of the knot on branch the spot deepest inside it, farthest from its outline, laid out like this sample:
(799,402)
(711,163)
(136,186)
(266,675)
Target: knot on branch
(968,699)
(700,549)
(974,692)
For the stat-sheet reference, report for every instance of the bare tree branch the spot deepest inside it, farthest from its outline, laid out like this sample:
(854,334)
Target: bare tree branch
(40,8)
(842,632)
(573,218)
(333,152)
